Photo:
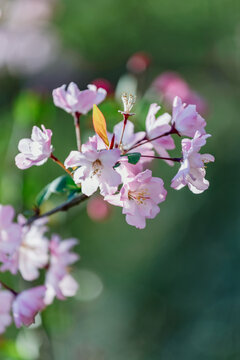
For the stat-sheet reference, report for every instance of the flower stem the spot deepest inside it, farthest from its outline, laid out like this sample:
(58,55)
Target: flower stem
(76,117)
(60,164)
(125,118)
(172,131)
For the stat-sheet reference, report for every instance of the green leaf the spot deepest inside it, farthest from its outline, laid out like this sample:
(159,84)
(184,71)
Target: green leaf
(117,165)
(133,158)
(61,185)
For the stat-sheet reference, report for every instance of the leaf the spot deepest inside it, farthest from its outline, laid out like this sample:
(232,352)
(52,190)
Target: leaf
(99,124)
(117,165)
(61,185)
(133,158)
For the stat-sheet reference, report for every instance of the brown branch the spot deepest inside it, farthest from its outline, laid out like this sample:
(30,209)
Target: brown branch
(8,288)
(63,207)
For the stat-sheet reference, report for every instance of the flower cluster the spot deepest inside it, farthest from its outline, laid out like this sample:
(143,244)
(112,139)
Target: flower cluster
(117,163)
(114,163)
(27,250)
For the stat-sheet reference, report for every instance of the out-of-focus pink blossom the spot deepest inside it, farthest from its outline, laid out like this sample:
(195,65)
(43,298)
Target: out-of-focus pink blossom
(27,305)
(10,233)
(72,100)
(59,282)
(6,298)
(186,119)
(34,151)
(96,168)
(170,84)
(192,170)
(157,127)
(98,209)
(139,197)
(32,254)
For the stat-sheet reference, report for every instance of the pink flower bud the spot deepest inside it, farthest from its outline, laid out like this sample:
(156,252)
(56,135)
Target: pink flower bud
(138,62)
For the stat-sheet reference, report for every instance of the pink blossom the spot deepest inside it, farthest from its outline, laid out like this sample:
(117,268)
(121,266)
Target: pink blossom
(157,127)
(10,233)
(139,197)
(59,282)
(186,119)
(34,151)
(96,168)
(27,304)
(32,253)
(73,100)
(192,170)
(6,298)
(171,84)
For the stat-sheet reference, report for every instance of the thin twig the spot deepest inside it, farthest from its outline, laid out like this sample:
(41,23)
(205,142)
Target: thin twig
(63,207)
(172,131)
(162,158)
(60,164)
(8,288)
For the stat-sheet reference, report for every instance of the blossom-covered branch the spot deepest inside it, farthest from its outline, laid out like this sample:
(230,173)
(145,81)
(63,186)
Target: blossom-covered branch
(106,163)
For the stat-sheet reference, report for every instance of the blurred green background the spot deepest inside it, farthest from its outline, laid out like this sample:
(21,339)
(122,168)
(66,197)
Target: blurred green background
(170,291)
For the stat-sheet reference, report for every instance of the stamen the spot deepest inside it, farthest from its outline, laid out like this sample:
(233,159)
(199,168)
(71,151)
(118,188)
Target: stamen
(128,102)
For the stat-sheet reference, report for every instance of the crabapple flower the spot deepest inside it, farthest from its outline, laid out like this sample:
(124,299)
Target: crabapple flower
(72,100)
(157,127)
(10,233)
(192,170)
(170,84)
(34,151)
(96,168)
(139,197)
(6,298)
(186,119)
(27,305)
(59,282)
(32,253)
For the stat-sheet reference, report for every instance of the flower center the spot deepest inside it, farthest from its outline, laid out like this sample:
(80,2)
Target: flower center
(96,168)
(139,196)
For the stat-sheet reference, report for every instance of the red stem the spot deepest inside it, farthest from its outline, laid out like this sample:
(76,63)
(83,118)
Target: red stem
(172,131)
(60,164)
(125,118)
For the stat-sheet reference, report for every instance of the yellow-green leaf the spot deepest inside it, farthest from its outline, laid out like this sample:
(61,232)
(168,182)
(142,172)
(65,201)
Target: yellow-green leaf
(99,124)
